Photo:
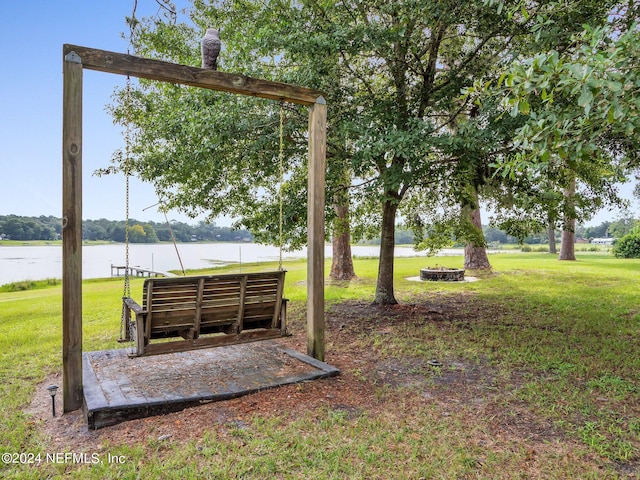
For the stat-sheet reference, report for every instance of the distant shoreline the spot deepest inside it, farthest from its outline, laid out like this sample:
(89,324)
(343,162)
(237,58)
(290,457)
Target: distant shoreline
(54,243)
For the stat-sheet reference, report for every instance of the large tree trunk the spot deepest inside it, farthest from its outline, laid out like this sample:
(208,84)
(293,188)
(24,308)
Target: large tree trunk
(342,261)
(475,256)
(384,287)
(567,244)
(551,233)
(567,250)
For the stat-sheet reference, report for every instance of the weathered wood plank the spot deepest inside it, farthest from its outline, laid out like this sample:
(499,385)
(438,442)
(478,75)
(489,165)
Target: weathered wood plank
(93,394)
(320,365)
(206,342)
(171,323)
(122,64)
(148,288)
(218,321)
(139,336)
(226,308)
(72,234)
(315,230)
(283,317)
(243,292)
(133,305)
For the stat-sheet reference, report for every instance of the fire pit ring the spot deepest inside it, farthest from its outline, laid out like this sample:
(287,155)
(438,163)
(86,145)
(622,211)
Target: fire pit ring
(442,274)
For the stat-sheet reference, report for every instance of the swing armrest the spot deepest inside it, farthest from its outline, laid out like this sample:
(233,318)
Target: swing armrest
(133,305)
(138,326)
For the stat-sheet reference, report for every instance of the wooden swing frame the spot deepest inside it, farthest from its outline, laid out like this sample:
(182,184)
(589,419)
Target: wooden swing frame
(75,60)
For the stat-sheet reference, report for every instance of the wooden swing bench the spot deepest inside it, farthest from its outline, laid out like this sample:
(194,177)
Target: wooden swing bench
(206,311)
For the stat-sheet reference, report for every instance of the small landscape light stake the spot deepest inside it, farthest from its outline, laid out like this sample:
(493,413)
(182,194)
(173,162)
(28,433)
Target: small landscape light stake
(52,391)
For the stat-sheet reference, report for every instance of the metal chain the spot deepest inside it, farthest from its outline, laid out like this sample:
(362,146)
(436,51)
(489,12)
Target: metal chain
(127,283)
(281,157)
(127,173)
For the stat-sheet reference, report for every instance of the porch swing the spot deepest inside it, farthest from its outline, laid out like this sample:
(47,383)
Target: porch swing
(192,312)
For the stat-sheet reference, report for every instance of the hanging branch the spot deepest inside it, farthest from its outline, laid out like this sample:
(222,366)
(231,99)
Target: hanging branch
(168,9)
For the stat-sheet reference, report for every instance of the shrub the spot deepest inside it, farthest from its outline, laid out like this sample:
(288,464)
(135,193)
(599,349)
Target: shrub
(525,248)
(628,246)
(592,248)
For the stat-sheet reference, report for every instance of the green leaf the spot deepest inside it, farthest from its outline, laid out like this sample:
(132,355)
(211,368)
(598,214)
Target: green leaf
(614,86)
(509,80)
(585,99)
(630,128)
(515,110)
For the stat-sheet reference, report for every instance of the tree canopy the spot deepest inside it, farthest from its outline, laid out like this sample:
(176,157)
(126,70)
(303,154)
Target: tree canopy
(402,137)
(14,227)
(580,114)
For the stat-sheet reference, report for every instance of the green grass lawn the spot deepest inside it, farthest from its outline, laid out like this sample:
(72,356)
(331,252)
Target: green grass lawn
(559,339)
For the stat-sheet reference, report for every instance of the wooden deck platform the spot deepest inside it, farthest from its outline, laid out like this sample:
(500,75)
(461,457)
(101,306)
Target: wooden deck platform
(118,388)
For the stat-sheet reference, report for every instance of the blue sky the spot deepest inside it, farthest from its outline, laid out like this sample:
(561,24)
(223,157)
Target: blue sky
(32,33)
(31,37)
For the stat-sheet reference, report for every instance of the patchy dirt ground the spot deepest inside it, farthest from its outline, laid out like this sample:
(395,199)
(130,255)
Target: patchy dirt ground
(474,390)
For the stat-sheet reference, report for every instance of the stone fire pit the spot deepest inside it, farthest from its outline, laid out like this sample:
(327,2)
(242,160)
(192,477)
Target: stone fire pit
(442,274)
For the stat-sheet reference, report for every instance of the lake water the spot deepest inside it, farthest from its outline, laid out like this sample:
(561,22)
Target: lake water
(40,262)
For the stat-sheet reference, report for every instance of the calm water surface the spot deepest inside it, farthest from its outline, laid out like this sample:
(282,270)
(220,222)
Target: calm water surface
(40,262)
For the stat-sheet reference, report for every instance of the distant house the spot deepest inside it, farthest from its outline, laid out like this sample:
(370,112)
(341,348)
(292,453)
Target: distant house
(602,241)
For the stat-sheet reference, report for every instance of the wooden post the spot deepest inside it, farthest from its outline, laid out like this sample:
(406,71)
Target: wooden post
(72,233)
(315,229)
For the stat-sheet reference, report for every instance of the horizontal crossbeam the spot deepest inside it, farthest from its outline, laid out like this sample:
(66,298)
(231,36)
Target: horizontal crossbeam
(123,64)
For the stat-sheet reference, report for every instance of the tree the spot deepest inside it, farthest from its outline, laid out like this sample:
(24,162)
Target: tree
(406,63)
(475,253)
(342,261)
(599,231)
(480,137)
(621,227)
(393,72)
(149,233)
(137,234)
(494,235)
(581,124)
(235,139)
(551,236)
(29,228)
(567,251)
